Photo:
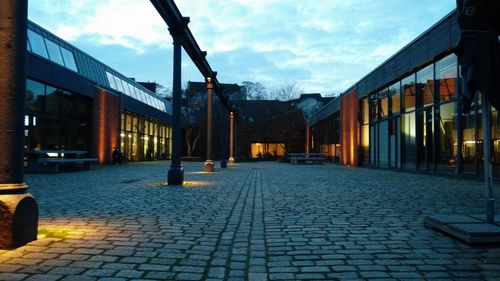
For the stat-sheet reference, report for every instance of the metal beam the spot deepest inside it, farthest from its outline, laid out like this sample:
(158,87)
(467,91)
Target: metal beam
(176,22)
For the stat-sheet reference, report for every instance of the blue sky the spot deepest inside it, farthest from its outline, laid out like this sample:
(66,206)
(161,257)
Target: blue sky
(322,46)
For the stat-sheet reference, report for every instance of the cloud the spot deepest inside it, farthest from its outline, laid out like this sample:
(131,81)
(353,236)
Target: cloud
(128,23)
(323,46)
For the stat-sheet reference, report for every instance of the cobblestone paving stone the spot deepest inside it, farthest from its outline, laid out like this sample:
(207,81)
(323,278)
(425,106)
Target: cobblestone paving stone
(252,221)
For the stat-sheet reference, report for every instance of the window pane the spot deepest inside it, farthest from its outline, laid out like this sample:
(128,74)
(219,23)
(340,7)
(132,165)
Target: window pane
(425,79)
(37,44)
(53,101)
(54,52)
(409,91)
(35,96)
(111,80)
(69,102)
(143,96)
(408,138)
(69,59)
(135,92)
(127,89)
(446,77)
(384,103)
(373,108)
(395,92)
(84,108)
(448,148)
(119,84)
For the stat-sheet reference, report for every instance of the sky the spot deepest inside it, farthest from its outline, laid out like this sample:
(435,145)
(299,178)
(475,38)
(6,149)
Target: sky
(321,46)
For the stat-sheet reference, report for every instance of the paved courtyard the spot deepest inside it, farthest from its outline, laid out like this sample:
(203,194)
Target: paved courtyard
(252,221)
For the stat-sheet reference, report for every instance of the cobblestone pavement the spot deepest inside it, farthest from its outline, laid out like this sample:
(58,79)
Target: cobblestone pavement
(253,221)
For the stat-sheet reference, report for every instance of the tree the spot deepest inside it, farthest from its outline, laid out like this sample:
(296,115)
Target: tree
(255,90)
(165,92)
(286,92)
(192,112)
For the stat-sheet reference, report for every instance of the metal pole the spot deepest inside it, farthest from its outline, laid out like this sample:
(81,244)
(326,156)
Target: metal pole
(224,131)
(308,137)
(209,163)
(231,138)
(176,171)
(488,174)
(18,209)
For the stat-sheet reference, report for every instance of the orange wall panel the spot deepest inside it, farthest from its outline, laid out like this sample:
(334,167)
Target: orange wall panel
(107,117)
(349,112)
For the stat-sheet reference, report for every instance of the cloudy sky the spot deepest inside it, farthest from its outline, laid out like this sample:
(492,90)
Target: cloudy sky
(322,46)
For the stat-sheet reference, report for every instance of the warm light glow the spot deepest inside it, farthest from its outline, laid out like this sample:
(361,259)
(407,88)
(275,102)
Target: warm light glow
(203,173)
(122,135)
(197,184)
(101,129)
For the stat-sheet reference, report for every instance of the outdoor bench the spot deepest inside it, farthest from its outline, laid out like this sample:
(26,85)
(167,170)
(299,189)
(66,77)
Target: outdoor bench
(53,159)
(54,163)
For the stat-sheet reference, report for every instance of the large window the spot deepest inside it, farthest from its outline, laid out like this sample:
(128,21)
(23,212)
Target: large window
(267,150)
(143,138)
(448,140)
(56,119)
(365,131)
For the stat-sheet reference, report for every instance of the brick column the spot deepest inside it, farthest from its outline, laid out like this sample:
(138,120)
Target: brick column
(18,209)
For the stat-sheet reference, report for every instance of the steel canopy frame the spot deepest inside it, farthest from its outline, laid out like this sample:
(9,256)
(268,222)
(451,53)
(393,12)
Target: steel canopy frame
(178,26)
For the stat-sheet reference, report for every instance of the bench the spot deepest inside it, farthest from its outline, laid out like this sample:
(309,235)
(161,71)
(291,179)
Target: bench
(304,158)
(54,163)
(53,159)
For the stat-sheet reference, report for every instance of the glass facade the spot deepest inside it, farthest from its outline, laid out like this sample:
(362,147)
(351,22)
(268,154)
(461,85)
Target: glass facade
(56,119)
(144,138)
(42,43)
(424,129)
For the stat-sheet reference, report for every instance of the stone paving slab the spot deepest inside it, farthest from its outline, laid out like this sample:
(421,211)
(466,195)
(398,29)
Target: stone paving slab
(252,221)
